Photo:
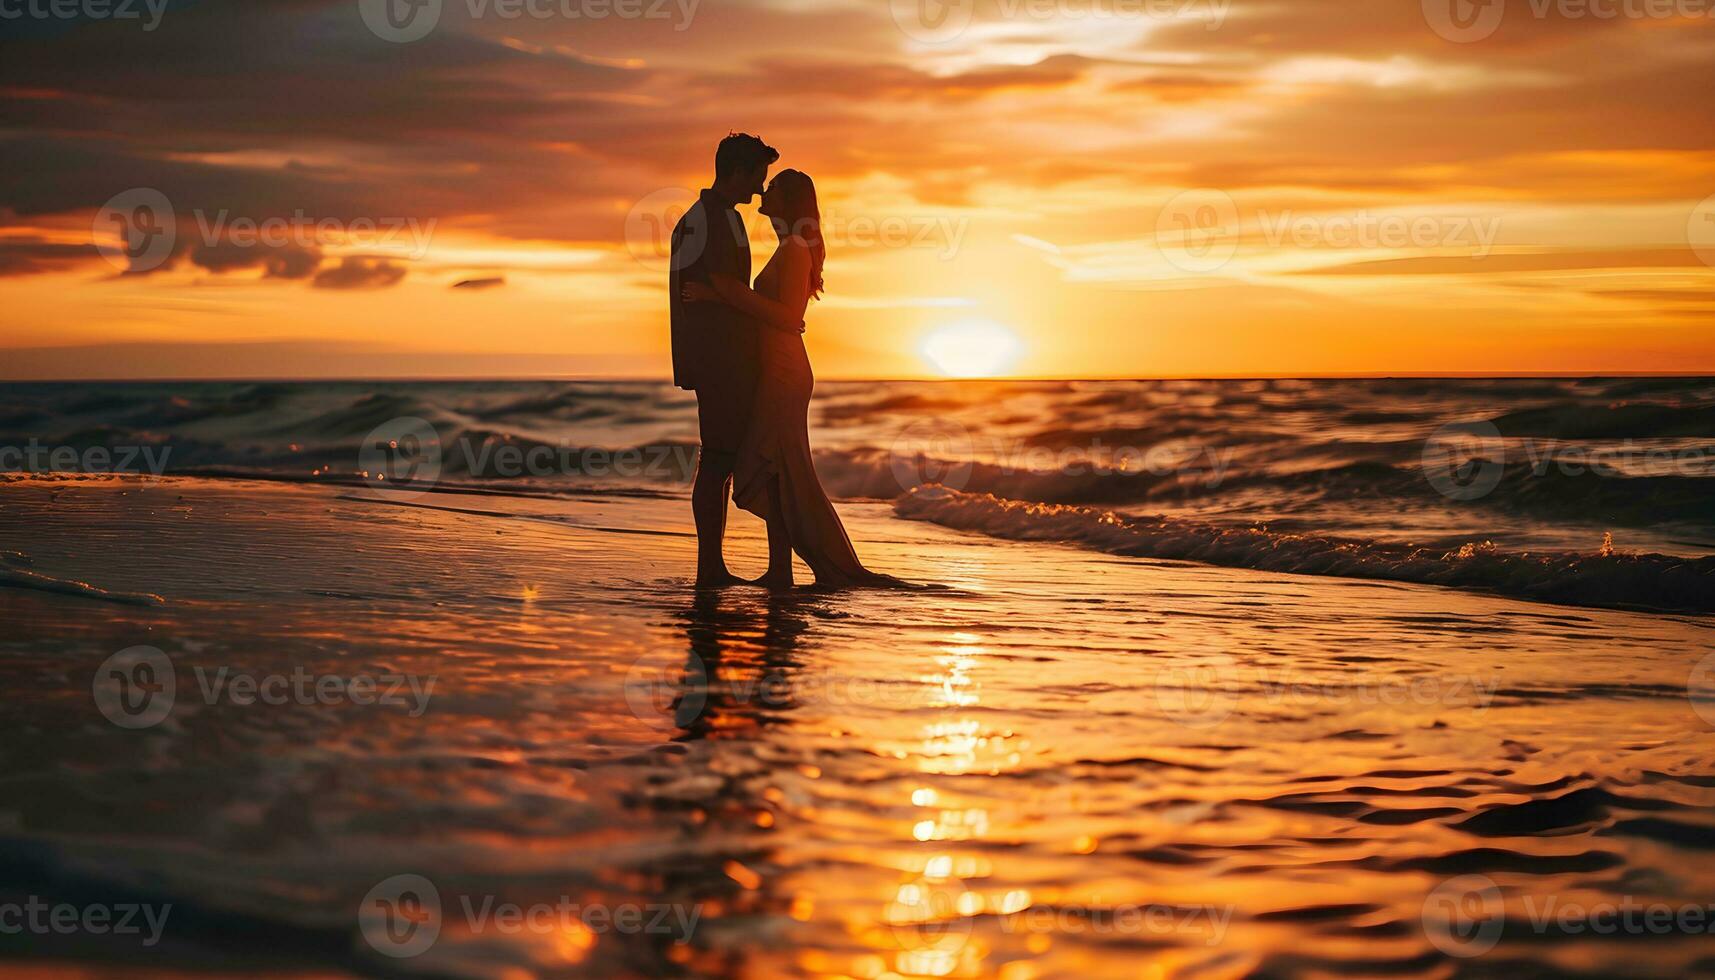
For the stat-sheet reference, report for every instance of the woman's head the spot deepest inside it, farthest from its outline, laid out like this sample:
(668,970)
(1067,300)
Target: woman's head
(790,202)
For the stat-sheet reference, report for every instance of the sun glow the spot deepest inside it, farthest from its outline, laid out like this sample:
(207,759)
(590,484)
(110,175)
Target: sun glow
(972,349)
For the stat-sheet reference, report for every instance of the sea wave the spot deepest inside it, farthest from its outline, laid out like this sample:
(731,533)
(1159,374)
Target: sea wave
(1599,578)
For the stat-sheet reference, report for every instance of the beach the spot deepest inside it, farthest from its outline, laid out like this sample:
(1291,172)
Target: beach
(490,734)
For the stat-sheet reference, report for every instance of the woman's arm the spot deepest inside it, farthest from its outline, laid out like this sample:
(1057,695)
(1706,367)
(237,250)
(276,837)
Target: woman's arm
(786,313)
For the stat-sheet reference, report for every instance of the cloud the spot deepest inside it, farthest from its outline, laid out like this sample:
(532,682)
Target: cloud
(30,257)
(488,283)
(360,272)
(282,262)
(1546,261)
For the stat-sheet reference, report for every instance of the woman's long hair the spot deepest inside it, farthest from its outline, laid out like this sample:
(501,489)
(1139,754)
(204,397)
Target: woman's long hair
(803,218)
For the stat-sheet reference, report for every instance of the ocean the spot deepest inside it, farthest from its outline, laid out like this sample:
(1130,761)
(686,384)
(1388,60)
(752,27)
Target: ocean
(1215,680)
(1505,485)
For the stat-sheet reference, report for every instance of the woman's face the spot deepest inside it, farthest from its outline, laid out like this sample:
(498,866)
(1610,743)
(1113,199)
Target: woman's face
(773,199)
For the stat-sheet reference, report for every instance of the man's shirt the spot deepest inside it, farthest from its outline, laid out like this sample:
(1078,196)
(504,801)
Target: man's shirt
(710,340)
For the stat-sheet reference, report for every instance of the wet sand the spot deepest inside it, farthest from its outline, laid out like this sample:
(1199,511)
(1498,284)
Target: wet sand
(1067,764)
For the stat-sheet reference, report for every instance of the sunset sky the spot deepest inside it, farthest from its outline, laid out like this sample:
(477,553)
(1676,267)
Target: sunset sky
(1090,188)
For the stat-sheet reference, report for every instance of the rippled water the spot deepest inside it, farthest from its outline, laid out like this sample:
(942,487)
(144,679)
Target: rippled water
(1069,764)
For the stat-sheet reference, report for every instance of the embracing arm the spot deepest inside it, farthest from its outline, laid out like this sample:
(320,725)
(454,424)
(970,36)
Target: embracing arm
(786,313)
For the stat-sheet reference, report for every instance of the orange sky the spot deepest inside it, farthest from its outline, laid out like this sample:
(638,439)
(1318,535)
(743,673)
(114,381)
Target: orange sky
(1110,187)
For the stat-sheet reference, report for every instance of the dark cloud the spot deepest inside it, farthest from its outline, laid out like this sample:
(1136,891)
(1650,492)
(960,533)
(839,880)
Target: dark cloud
(27,257)
(360,272)
(488,283)
(282,262)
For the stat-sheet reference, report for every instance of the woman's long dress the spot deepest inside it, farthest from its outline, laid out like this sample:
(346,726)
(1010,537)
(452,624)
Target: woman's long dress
(776,454)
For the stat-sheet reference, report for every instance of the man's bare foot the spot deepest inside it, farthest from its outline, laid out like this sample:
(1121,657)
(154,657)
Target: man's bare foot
(777,581)
(718,579)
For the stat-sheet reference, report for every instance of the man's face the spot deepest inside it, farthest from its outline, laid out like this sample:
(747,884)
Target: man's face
(753,182)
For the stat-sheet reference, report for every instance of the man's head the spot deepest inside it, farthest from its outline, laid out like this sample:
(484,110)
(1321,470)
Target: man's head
(741,166)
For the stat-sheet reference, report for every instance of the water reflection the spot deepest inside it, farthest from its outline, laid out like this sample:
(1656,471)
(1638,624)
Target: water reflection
(734,685)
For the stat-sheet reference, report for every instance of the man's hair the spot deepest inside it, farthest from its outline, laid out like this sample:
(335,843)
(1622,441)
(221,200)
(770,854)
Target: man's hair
(742,151)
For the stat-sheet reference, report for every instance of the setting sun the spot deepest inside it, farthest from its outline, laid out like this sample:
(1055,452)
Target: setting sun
(972,349)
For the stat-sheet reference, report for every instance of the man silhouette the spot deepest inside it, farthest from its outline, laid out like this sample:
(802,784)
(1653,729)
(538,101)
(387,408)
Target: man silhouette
(716,349)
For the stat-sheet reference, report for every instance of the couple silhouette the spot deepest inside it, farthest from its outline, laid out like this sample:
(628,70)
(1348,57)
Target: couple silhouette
(740,346)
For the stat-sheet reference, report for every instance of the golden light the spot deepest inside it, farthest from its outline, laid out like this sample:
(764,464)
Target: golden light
(972,349)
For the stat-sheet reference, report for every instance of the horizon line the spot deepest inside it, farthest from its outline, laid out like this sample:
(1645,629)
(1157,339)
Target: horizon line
(636,379)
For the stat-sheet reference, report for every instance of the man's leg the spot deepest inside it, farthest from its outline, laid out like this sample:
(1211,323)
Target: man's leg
(709,493)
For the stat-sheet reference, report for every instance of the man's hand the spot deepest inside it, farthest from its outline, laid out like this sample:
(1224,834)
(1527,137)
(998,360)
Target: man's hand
(699,292)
